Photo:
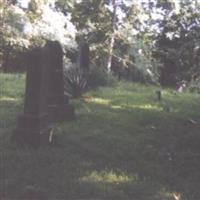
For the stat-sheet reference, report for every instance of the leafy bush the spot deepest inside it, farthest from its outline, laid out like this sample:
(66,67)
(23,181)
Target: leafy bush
(194,86)
(77,80)
(99,77)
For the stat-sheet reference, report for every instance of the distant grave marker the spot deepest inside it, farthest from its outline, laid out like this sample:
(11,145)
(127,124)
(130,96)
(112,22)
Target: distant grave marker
(158,95)
(181,87)
(83,56)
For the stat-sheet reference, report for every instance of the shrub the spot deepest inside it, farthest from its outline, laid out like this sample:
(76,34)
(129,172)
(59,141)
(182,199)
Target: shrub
(99,77)
(75,81)
(194,86)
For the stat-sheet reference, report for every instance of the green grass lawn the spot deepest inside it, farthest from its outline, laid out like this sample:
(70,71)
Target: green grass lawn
(123,145)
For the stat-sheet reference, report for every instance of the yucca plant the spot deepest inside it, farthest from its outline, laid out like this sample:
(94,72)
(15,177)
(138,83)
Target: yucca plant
(75,81)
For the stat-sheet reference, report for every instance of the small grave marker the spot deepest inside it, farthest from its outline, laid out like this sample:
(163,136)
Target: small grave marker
(158,95)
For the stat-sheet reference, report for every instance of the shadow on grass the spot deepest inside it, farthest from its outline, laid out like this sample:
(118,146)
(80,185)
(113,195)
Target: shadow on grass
(160,148)
(109,152)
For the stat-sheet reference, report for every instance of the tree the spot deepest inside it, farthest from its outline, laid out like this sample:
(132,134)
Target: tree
(112,38)
(11,32)
(25,27)
(178,44)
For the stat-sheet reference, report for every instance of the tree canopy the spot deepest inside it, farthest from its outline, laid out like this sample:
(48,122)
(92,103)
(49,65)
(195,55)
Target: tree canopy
(152,41)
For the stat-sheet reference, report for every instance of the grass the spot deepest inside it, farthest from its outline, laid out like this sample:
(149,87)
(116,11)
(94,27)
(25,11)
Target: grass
(123,145)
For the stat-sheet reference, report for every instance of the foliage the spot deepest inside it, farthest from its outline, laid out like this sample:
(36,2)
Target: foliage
(11,36)
(98,76)
(156,41)
(75,81)
(146,67)
(178,45)
(194,86)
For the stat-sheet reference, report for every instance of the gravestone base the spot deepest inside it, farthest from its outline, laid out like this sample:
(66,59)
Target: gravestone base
(61,112)
(32,130)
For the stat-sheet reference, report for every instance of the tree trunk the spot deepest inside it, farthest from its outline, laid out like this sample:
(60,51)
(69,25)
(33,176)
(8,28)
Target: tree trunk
(112,40)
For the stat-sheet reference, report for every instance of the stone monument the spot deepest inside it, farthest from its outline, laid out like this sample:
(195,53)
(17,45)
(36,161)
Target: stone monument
(45,102)
(33,124)
(58,103)
(83,56)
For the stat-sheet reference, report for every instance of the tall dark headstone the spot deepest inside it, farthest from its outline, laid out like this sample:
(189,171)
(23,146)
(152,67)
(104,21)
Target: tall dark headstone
(83,56)
(58,105)
(33,124)
(158,95)
(45,102)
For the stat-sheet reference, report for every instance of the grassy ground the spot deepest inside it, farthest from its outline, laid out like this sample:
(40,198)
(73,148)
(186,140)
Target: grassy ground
(123,145)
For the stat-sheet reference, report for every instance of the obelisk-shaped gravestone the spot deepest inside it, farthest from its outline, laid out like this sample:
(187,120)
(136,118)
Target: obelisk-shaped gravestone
(33,124)
(83,56)
(58,103)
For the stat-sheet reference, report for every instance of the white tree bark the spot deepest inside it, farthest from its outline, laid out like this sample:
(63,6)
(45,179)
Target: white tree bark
(112,39)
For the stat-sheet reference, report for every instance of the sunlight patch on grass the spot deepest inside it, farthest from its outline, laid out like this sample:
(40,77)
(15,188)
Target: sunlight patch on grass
(141,106)
(116,107)
(99,101)
(107,177)
(8,99)
(147,107)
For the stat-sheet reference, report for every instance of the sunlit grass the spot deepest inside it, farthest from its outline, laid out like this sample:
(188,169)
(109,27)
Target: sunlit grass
(142,106)
(107,177)
(99,100)
(117,107)
(8,99)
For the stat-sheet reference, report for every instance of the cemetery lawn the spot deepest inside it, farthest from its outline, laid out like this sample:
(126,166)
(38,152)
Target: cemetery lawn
(123,145)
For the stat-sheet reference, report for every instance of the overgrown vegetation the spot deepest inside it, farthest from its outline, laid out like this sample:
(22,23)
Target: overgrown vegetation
(123,144)
(77,81)
(143,41)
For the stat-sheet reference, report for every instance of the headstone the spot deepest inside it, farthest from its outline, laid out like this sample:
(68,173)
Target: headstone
(83,56)
(33,125)
(181,87)
(158,95)
(58,102)
(45,102)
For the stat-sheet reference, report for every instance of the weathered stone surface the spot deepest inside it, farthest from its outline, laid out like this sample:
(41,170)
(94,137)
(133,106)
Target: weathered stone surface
(55,64)
(45,102)
(58,103)
(35,120)
(83,56)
